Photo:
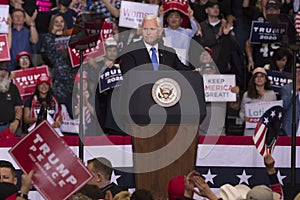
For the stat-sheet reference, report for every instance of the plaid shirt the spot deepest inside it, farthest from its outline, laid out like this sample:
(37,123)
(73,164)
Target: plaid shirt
(99,7)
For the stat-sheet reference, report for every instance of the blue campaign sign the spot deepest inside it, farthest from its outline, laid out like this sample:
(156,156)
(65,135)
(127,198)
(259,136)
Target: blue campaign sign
(279,79)
(265,32)
(110,78)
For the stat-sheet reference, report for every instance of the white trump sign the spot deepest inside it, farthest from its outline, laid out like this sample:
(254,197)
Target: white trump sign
(132,14)
(217,88)
(255,110)
(4,13)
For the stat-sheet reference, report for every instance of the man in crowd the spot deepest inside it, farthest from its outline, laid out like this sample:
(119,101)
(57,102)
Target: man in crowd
(286,96)
(10,102)
(8,176)
(101,168)
(216,35)
(20,37)
(260,54)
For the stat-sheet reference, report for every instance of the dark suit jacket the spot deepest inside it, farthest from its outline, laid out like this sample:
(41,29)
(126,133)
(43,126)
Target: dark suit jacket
(136,54)
(286,96)
(112,187)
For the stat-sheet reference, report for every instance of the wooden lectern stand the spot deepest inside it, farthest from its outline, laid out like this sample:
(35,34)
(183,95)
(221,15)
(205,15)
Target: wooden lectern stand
(163,151)
(156,181)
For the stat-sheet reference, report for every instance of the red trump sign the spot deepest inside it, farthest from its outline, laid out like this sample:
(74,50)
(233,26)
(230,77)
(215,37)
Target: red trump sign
(180,5)
(58,172)
(25,79)
(4,48)
(94,52)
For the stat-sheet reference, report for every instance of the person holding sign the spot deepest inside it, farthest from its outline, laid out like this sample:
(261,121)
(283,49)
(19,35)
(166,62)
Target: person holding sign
(259,90)
(104,89)
(216,34)
(259,53)
(286,95)
(58,58)
(24,62)
(176,36)
(43,95)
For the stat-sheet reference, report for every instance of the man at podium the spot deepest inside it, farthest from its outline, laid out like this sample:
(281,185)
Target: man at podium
(150,49)
(165,107)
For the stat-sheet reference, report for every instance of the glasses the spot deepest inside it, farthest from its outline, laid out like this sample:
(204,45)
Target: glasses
(24,59)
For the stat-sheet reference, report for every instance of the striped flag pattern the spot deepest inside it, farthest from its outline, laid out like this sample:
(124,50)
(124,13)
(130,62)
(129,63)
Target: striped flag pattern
(272,115)
(297,24)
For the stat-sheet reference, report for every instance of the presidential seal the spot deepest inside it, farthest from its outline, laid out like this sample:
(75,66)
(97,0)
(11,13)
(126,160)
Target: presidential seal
(166,92)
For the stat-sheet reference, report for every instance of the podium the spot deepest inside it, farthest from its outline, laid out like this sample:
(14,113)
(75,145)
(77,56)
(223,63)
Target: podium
(164,139)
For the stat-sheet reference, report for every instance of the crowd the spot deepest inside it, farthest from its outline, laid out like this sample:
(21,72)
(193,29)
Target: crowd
(212,38)
(222,29)
(180,187)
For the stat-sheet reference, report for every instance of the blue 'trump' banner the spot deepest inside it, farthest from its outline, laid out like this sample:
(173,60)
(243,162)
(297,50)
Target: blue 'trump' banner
(110,78)
(265,32)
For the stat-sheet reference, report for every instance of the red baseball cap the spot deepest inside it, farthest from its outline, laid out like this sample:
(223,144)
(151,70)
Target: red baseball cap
(43,79)
(176,188)
(23,53)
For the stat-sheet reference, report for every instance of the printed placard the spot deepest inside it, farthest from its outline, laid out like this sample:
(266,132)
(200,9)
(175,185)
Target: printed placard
(217,88)
(61,43)
(96,52)
(110,78)
(107,30)
(58,172)
(255,110)
(180,5)
(132,13)
(265,32)
(4,48)
(68,125)
(279,79)
(4,13)
(25,79)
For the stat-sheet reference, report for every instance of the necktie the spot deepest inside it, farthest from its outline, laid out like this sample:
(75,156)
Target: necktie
(154,59)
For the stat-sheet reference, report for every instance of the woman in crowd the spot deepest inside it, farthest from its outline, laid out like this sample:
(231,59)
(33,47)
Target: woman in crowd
(42,98)
(63,8)
(282,60)
(58,58)
(259,90)
(24,62)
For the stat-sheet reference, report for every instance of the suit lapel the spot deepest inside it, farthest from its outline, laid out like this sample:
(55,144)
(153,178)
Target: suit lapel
(145,53)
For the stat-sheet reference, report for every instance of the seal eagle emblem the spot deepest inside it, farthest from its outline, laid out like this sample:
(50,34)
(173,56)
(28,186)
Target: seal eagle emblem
(166,92)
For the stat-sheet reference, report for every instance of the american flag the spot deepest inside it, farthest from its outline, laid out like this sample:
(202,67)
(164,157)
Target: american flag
(221,160)
(267,129)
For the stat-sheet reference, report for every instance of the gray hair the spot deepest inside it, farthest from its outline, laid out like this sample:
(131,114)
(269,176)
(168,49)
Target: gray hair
(152,17)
